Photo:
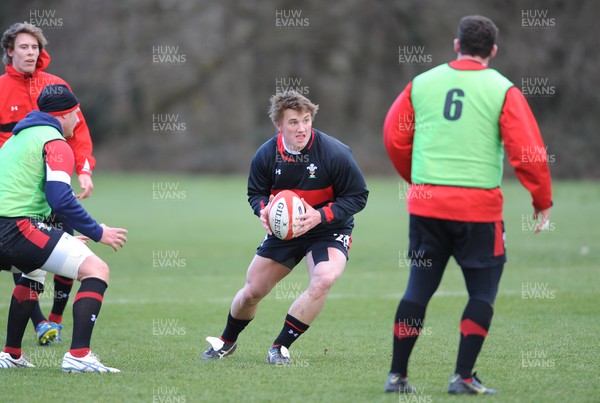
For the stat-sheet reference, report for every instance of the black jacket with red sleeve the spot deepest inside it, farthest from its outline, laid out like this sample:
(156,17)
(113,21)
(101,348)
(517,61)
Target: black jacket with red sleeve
(324,173)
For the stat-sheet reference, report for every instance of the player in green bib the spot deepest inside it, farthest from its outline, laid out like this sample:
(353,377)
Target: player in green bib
(35,180)
(21,201)
(468,127)
(446,135)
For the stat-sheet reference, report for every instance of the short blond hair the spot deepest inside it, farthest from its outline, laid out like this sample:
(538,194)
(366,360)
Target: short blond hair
(290,100)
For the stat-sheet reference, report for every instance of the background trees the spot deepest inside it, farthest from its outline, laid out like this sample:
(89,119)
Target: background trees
(184,85)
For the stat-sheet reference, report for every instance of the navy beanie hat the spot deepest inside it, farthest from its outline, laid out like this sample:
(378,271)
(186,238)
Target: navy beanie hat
(57,99)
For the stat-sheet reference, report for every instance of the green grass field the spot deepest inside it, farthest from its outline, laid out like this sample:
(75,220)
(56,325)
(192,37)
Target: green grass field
(190,241)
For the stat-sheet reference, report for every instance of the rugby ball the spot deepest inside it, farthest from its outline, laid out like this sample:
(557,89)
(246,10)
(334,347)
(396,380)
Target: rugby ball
(285,208)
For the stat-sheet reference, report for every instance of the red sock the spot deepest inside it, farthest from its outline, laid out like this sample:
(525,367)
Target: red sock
(79,352)
(14,352)
(55,318)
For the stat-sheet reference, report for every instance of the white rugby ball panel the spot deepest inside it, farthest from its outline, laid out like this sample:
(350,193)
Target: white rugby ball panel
(285,208)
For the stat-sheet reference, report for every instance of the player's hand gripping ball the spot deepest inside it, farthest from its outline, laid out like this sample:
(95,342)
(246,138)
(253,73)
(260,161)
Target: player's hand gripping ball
(283,214)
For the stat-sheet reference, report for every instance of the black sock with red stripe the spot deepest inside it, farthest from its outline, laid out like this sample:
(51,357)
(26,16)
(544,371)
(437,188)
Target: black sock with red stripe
(292,329)
(37,316)
(62,289)
(407,327)
(22,303)
(86,308)
(474,326)
(233,328)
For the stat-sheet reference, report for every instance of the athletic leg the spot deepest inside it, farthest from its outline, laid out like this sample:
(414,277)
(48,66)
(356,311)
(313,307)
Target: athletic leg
(262,275)
(24,298)
(429,251)
(37,317)
(71,258)
(305,309)
(482,285)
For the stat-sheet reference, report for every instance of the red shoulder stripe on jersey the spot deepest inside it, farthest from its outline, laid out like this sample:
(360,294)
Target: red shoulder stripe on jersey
(59,156)
(33,235)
